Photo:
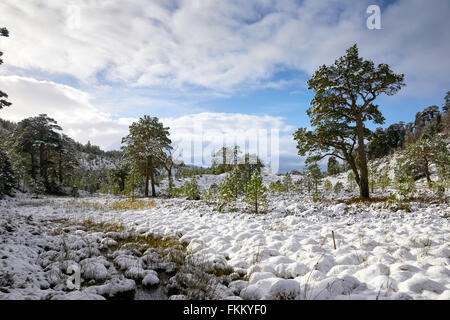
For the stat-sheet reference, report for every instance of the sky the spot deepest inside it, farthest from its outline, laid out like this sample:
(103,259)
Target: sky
(215,72)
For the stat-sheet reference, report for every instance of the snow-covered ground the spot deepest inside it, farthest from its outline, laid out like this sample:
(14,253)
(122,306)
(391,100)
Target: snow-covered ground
(288,253)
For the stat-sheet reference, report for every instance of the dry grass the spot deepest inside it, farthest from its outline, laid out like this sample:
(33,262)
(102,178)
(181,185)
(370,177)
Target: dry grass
(131,204)
(100,226)
(117,205)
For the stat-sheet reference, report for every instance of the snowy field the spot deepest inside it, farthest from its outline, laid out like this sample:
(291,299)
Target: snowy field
(286,254)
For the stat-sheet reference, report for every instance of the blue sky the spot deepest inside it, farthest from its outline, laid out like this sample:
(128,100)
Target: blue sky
(224,66)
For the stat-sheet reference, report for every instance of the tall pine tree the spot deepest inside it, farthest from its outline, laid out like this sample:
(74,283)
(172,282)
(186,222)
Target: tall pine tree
(144,145)
(6,173)
(344,100)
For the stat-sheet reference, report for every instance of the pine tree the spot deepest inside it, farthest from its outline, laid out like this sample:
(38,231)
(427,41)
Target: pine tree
(256,193)
(144,147)
(338,187)
(404,177)
(313,176)
(425,152)
(446,114)
(37,139)
(343,102)
(133,178)
(327,186)
(288,185)
(299,185)
(383,178)
(276,187)
(446,106)
(210,195)
(333,166)
(6,175)
(228,190)
(3,96)
(191,189)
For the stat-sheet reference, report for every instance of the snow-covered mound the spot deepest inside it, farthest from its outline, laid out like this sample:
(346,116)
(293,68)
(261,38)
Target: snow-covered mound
(286,254)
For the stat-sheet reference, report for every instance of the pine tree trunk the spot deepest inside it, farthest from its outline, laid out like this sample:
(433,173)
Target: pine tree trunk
(33,166)
(169,177)
(364,174)
(60,168)
(351,162)
(147,177)
(152,177)
(256,201)
(43,164)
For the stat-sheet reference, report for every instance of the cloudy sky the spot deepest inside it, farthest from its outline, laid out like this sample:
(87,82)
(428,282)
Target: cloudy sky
(220,69)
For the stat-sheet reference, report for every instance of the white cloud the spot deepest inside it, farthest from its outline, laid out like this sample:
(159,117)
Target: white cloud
(205,131)
(70,107)
(223,45)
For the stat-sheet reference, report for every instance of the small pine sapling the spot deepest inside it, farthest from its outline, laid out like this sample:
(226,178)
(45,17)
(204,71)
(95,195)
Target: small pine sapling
(288,186)
(256,193)
(338,187)
(327,186)
(191,189)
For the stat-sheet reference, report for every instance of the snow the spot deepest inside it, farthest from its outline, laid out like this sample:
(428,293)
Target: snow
(114,289)
(150,279)
(285,254)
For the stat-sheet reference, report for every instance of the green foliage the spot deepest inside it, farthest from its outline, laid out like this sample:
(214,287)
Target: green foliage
(404,178)
(229,189)
(41,152)
(276,187)
(439,190)
(351,182)
(312,177)
(144,147)
(315,197)
(299,185)
(384,141)
(256,193)
(288,185)
(191,189)
(426,151)
(7,179)
(177,192)
(118,177)
(133,180)
(37,186)
(232,185)
(3,96)
(74,192)
(327,186)
(383,179)
(333,166)
(211,194)
(392,198)
(372,167)
(338,187)
(344,95)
